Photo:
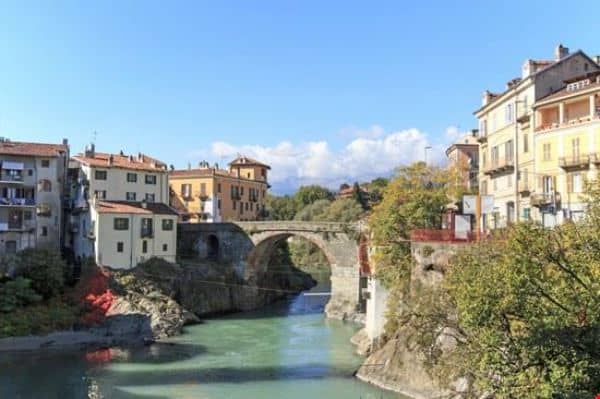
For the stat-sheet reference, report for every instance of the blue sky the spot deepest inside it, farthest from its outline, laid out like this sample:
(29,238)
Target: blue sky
(313,87)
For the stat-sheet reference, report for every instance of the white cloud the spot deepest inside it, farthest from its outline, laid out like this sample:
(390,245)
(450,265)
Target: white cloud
(370,154)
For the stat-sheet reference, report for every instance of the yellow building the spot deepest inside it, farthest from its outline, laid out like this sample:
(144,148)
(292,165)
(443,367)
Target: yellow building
(210,194)
(567,148)
(507,153)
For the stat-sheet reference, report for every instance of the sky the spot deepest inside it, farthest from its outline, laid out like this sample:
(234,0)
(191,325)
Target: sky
(324,91)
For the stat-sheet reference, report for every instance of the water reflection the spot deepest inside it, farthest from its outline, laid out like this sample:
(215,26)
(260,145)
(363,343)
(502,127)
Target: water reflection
(286,350)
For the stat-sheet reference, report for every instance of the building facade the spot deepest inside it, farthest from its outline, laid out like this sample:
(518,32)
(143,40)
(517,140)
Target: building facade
(464,156)
(32,190)
(567,148)
(120,213)
(507,152)
(209,194)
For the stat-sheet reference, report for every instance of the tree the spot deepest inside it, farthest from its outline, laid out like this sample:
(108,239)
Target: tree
(281,208)
(308,194)
(44,268)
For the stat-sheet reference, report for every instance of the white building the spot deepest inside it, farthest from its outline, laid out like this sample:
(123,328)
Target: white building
(120,211)
(32,177)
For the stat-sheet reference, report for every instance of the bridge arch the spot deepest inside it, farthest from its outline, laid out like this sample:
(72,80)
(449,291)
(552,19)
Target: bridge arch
(248,245)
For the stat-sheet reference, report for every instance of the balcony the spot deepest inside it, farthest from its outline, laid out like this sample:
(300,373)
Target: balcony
(500,166)
(11,177)
(482,138)
(17,226)
(17,201)
(542,199)
(576,162)
(524,188)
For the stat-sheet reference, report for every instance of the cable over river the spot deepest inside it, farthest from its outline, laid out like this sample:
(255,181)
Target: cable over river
(286,350)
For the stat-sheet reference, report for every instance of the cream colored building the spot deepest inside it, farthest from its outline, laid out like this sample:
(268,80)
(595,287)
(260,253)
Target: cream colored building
(463,155)
(508,149)
(567,143)
(32,189)
(210,194)
(120,211)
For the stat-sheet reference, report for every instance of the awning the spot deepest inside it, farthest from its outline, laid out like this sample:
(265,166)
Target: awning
(12,165)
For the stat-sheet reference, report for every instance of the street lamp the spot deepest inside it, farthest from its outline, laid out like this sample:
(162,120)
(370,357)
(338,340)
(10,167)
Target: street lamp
(426,148)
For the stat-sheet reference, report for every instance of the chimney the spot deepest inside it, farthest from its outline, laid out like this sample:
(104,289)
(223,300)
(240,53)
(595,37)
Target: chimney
(140,157)
(90,150)
(121,153)
(131,158)
(65,141)
(189,166)
(487,96)
(475,132)
(144,203)
(172,167)
(560,52)
(596,59)
(111,160)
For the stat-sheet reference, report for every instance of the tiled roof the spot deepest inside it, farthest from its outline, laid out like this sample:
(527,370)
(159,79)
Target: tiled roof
(31,149)
(139,162)
(152,208)
(244,160)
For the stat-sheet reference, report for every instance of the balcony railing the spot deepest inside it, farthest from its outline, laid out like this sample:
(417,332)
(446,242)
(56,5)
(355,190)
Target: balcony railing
(578,161)
(542,199)
(17,201)
(482,137)
(11,177)
(16,225)
(441,235)
(524,187)
(499,166)
(573,122)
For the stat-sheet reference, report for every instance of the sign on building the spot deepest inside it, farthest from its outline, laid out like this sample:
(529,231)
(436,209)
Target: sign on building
(470,204)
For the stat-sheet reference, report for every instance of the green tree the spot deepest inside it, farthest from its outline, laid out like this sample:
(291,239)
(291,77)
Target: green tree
(308,194)
(281,208)
(16,293)
(45,269)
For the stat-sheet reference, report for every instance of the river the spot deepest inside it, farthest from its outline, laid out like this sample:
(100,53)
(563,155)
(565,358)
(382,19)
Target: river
(285,350)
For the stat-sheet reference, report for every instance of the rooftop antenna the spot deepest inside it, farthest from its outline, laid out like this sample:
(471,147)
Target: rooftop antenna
(94,137)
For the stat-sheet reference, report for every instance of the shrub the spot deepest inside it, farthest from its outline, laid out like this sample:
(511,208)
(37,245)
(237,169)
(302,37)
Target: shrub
(45,269)
(17,293)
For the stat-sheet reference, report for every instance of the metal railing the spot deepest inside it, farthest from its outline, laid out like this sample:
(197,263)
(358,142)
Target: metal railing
(17,201)
(440,235)
(574,161)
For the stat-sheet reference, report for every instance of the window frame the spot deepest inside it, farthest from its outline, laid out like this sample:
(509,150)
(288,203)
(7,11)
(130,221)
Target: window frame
(117,220)
(169,223)
(129,179)
(150,179)
(98,172)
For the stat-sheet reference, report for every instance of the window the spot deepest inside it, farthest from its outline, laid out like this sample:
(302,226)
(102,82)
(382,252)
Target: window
(509,113)
(186,190)
(525,142)
(525,105)
(45,163)
(234,205)
(526,213)
(482,128)
(547,154)
(131,177)
(509,181)
(509,151)
(248,175)
(147,228)
(242,190)
(44,231)
(494,155)
(100,194)
(495,184)
(202,188)
(121,224)
(100,175)
(575,183)
(165,247)
(263,172)
(241,208)
(29,172)
(120,246)
(130,196)
(219,203)
(150,179)
(218,187)
(144,246)
(247,205)
(45,185)
(575,148)
(484,187)
(167,224)
(547,184)
(27,215)
(149,197)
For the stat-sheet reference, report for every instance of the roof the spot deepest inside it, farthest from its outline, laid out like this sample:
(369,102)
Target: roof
(243,160)
(208,172)
(32,149)
(127,207)
(468,140)
(139,162)
(546,65)
(566,93)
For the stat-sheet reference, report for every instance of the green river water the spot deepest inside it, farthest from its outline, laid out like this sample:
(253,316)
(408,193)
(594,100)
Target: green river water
(286,350)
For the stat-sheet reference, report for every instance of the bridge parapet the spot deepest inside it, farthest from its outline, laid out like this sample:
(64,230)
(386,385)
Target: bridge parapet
(282,225)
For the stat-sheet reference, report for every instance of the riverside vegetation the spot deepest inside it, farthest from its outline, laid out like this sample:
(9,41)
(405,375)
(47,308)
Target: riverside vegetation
(521,307)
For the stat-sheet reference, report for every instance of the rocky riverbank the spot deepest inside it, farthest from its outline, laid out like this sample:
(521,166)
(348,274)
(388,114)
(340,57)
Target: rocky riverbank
(155,300)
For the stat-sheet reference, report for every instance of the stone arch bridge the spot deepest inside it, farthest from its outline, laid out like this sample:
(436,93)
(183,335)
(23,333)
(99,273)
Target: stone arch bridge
(248,246)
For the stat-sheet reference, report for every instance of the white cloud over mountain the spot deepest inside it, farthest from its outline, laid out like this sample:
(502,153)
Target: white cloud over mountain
(369,153)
